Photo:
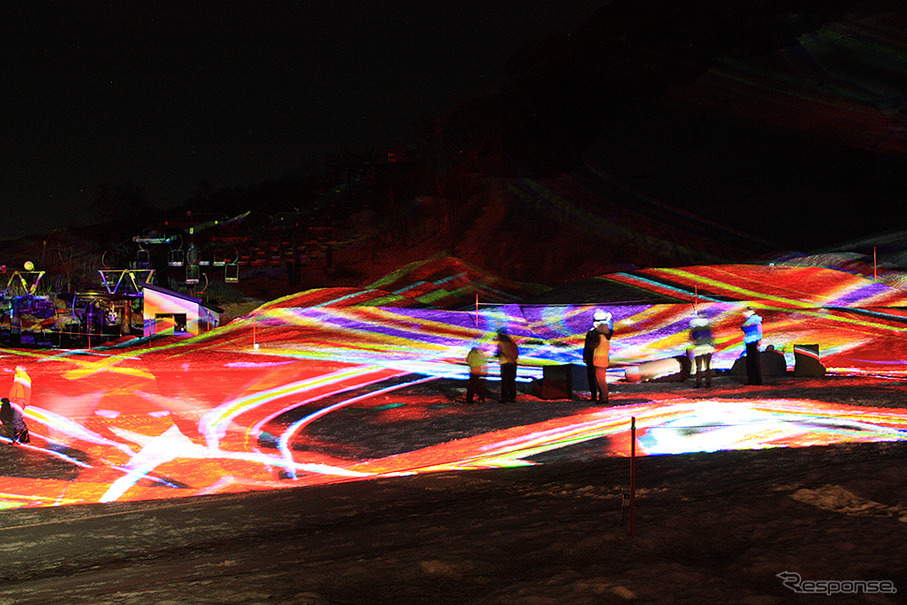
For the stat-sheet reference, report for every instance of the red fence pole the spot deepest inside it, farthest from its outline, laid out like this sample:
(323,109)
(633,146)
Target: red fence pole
(632,475)
(875,271)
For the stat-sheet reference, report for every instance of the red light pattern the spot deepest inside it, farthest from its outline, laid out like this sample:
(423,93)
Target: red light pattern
(215,414)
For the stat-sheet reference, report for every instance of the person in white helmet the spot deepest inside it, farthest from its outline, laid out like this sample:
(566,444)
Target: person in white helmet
(596,354)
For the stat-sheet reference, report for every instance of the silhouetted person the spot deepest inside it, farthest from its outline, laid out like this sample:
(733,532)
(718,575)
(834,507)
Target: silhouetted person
(702,349)
(752,338)
(602,325)
(507,354)
(6,417)
(477,363)
(13,423)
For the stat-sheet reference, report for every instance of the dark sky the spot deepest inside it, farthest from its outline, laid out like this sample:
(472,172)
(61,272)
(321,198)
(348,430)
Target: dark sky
(167,95)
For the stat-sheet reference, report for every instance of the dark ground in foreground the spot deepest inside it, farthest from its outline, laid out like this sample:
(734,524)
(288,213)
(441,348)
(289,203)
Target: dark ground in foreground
(709,528)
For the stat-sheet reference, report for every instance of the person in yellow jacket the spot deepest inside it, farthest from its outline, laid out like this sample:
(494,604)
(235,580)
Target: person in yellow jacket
(477,363)
(597,353)
(602,324)
(13,408)
(20,392)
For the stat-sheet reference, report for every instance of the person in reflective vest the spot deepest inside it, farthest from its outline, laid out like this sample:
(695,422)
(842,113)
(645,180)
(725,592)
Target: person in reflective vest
(475,388)
(597,354)
(752,338)
(20,392)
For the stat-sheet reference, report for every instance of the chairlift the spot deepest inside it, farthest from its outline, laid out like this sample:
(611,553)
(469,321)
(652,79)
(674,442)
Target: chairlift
(142,258)
(231,273)
(192,274)
(176,257)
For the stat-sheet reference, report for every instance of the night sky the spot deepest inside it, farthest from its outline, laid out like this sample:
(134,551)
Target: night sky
(169,95)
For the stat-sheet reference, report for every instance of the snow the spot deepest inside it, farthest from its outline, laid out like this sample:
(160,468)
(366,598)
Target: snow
(709,527)
(338,463)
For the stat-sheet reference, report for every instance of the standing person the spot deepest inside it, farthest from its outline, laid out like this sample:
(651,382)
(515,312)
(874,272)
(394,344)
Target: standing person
(6,418)
(477,363)
(703,347)
(752,338)
(507,354)
(13,423)
(593,336)
(601,355)
(20,392)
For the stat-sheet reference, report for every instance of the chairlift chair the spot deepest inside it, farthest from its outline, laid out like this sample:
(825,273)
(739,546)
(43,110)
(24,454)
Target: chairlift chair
(231,273)
(142,259)
(176,257)
(192,274)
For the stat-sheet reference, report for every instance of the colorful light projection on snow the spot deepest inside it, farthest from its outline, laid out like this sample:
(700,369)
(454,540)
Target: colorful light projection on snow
(302,433)
(858,324)
(212,414)
(675,427)
(714,425)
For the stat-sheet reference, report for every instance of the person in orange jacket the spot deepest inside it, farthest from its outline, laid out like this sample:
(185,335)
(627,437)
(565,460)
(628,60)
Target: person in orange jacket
(20,392)
(596,354)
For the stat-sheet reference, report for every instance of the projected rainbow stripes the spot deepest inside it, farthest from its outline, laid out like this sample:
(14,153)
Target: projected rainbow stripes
(214,414)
